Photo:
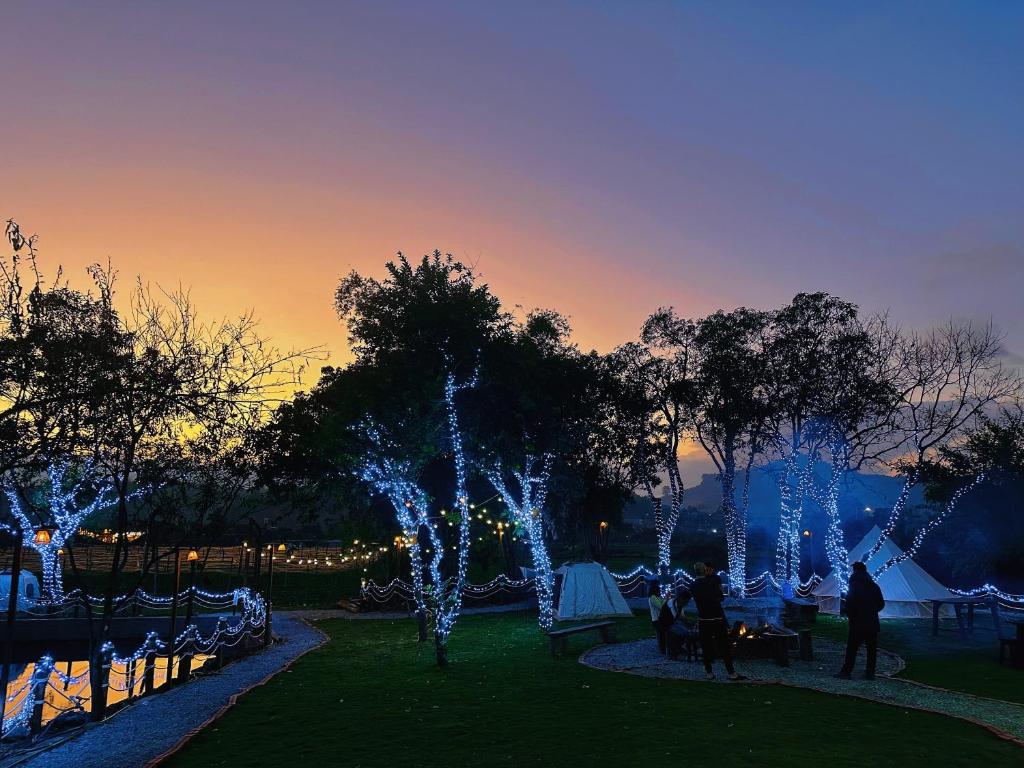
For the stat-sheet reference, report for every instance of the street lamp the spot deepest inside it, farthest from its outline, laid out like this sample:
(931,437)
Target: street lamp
(43,535)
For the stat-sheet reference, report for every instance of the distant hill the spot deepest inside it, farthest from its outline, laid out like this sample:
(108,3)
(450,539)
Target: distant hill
(859,492)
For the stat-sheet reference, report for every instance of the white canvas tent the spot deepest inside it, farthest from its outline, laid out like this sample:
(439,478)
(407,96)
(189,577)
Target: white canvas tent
(905,586)
(28,590)
(589,592)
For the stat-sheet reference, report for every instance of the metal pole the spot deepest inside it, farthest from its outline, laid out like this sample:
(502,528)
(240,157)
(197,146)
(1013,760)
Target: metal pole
(267,632)
(174,615)
(270,578)
(191,591)
(12,610)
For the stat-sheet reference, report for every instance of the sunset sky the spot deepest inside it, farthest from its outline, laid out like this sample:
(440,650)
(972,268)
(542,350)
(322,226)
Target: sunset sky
(600,159)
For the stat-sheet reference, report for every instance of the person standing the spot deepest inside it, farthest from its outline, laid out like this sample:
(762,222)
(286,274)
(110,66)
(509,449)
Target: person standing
(864,602)
(707,595)
(655,603)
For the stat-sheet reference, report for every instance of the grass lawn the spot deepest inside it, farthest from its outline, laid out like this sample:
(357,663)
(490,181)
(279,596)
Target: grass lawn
(967,664)
(373,697)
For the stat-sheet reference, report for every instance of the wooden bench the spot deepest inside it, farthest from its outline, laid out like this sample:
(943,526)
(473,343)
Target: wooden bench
(1011,642)
(560,637)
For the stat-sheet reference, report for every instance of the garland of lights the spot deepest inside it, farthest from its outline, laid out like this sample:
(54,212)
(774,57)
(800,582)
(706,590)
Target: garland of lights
(919,537)
(735,533)
(835,542)
(626,580)
(390,478)
(528,515)
(252,622)
(665,521)
(787,554)
(894,516)
(450,600)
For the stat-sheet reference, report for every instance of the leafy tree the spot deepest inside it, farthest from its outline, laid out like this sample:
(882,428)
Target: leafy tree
(426,324)
(657,389)
(985,537)
(532,417)
(830,393)
(730,409)
(947,380)
(145,388)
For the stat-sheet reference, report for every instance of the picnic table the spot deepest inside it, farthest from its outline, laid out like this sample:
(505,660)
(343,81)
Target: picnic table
(958,604)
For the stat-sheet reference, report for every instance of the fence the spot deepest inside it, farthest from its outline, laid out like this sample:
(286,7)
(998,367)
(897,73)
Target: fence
(306,556)
(44,695)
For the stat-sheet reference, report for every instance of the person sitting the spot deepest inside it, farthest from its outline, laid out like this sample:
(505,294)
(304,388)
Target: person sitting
(655,603)
(683,636)
(864,602)
(707,595)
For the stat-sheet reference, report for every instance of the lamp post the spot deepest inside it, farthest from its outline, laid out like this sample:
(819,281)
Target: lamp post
(43,535)
(193,559)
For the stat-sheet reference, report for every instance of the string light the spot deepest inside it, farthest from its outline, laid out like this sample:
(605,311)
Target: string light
(527,509)
(251,624)
(391,478)
(922,532)
(65,518)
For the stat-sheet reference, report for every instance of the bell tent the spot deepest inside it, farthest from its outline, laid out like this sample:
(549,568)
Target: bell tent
(906,586)
(589,592)
(28,590)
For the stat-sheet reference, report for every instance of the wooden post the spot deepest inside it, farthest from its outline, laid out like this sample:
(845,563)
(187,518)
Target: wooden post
(218,653)
(268,634)
(172,633)
(806,647)
(185,657)
(40,676)
(191,591)
(149,666)
(268,627)
(99,687)
(129,674)
(12,611)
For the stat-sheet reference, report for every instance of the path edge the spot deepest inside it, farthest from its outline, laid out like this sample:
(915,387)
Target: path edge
(994,730)
(233,699)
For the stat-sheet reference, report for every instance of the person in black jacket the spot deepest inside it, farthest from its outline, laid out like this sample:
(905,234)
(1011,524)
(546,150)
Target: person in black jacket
(707,595)
(863,603)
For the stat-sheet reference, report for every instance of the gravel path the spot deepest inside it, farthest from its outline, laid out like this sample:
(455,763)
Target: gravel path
(129,740)
(641,657)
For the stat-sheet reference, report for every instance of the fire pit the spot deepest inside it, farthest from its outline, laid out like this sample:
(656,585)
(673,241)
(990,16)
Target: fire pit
(765,641)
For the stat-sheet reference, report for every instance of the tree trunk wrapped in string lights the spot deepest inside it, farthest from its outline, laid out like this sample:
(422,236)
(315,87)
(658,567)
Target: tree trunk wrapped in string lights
(393,477)
(527,508)
(63,518)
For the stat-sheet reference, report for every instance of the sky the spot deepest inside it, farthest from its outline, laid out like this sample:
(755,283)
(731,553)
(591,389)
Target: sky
(602,159)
